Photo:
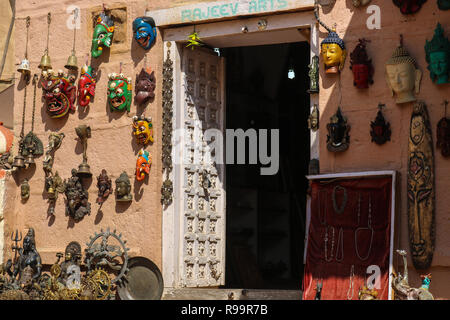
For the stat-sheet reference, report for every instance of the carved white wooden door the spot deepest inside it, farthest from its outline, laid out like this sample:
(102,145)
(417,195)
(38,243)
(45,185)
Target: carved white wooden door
(203,172)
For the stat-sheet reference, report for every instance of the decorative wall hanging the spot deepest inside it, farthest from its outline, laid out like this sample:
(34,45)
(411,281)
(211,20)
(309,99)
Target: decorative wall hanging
(59,93)
(119,92)
(314,75)
(194,40)
(380,128)
(143,130)
(338,138)
(104,186)
(313,120)
(402,75)
(420,188)
(443,134)
(86,85)
(167,127)
(107,250)
(438,56)
(409,6)
(144,30)
(53,182)
(402,289)
(24,67)
(84,133)
(103,34)
(143,164)
(28,262)
(77,205)
(123,188)
(361,66)
(360,3)
(72,63)
(30,145)
(145,86)
(444,4)
(46,63)
(24,190)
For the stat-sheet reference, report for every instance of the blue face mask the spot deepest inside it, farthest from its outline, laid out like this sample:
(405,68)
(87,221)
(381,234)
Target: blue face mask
(144,32)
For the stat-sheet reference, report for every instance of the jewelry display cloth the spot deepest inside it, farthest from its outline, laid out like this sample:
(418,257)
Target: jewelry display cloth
(342,264)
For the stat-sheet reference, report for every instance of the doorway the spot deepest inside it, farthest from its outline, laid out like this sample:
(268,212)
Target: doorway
(266,88)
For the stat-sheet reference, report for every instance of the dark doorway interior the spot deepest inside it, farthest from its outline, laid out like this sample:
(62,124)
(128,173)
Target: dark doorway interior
(266,214)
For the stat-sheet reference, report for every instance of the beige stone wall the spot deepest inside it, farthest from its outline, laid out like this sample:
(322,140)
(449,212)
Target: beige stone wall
(360,106)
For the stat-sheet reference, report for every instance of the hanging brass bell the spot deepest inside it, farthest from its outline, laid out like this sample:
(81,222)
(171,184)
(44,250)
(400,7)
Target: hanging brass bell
(45,62)
(30,159)
(19,161)
(24,67)
(72,63)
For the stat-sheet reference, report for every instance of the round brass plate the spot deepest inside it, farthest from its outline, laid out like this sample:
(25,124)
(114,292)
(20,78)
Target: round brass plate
(144,281)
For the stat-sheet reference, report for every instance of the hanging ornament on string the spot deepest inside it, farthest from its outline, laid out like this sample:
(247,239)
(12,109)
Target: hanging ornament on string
(24,67)
(45,60)
(72,63)
(194,40)
(443,133)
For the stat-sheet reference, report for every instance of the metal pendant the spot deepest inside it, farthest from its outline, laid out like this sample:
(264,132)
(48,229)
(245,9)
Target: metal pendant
(381,129)
(443,136)
(338,139)
(314,75)
(313,120)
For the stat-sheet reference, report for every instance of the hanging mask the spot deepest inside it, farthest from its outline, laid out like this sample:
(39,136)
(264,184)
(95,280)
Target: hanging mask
(143,130)
(59,93)
(438,56)
(144,31)
(119,92)
(361,66)
(86,86)
(143,164)
(381,129)
(145,86)
(333,52)
(444,4)
(338,138)
(103,35)
(409,6)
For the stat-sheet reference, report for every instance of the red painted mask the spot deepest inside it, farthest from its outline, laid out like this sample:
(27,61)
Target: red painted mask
(86,86)
(360,76)
(59,93)
(361,66)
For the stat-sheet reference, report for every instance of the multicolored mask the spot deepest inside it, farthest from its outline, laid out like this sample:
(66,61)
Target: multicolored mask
(143,164)
(103,34)
(143,130)
(333,52)
(361,66)
(59,93)
(119,92)
(438,56)
(86,86)
(144,31)
(409,6)
(145,86)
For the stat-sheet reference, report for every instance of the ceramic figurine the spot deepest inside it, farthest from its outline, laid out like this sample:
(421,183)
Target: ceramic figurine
(86,86)
(104,186)
(403,76)
(59,93)
(360,3)
(143,164)
(381,129)
(123,188)
(142,130)
(119,92)
(361,66)
(103,34)
(409,6)
(338,139)
(144,31)
(145,86)
(333,52)
(77,205)
(438,56)
(444,4)
(314,75)
(25,190)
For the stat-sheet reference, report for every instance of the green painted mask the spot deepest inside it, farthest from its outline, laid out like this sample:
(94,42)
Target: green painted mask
(437,55)
(119,92)
(103,34)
